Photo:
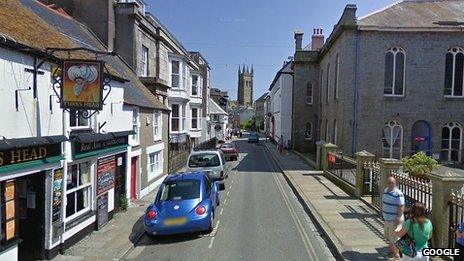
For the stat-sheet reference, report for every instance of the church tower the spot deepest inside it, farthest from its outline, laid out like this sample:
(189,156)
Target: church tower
(245,86)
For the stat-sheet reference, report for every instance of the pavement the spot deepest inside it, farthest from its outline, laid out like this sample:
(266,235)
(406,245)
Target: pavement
(115,239)
(353,230)
(259,218)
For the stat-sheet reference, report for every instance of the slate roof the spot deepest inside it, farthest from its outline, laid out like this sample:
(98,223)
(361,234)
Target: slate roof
(33,24)
(261,98)
(214,108)
(417,14)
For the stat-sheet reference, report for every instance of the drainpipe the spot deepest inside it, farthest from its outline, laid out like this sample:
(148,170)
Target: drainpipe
(37,66)
(354,137)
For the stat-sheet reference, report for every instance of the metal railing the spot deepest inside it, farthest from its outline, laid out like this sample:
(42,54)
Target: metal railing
(414,189)
(370,178)
(456,215)
(343,167)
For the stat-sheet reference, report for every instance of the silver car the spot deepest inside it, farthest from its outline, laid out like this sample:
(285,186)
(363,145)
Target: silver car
(212,162)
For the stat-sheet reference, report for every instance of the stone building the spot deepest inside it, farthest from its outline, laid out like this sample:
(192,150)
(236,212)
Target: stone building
(390,82)
(245,86)
(258,107)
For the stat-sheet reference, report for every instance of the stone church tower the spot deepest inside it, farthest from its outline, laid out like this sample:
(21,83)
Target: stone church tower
(245,86)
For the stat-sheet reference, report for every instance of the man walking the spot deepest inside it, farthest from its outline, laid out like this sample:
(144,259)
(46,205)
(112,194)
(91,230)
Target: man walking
(392,211)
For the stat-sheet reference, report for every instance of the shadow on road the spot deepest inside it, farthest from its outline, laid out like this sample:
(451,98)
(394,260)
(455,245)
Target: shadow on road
(164,240)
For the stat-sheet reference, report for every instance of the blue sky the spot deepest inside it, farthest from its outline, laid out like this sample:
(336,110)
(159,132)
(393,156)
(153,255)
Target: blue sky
(258,32)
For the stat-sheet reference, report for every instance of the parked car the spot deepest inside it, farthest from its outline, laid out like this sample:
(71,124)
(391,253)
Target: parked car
(253,137)
(212,162)
(230,150)
(184,203)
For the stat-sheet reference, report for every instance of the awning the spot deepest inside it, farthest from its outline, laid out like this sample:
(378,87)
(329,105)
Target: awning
(9,144)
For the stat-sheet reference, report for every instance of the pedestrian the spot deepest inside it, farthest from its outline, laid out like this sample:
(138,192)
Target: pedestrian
(460,242)
(392,212)
(419,228)
(280,145)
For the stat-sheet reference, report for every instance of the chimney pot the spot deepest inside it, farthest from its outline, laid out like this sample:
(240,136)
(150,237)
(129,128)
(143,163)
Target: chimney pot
(317,39)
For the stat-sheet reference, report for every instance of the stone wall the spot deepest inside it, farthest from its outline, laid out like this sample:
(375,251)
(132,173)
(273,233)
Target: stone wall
(304,72)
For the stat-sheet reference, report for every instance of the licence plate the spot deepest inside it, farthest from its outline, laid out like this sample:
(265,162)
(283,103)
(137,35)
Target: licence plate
(175,221)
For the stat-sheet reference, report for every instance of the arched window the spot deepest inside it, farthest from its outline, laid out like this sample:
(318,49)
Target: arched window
(335,132)
(454,69)
(309,93)
(309,131)
(392,140)
(327,84)
(337,70)
(395,72)
(451,140)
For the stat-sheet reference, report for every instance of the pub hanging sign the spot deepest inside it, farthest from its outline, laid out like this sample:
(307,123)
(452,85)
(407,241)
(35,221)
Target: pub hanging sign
(82,85)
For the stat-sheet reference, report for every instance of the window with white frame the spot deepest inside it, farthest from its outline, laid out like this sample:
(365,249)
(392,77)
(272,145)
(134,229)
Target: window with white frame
(392,140)
(144,60)
(175,117)
(309,93)
(451,142)
(184,117)
(327,84)
(454,70)
(77,119)
(155,165)
(195,83)
(309,131)
(78,189)
(195,116)
(135,125)
(395,72)
(175,74)
(337,72)
(157,125)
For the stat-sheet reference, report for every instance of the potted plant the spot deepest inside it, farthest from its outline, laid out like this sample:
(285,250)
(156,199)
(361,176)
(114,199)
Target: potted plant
(419,165)
(124,202)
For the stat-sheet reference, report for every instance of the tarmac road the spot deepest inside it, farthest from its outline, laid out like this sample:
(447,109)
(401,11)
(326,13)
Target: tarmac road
(259,219)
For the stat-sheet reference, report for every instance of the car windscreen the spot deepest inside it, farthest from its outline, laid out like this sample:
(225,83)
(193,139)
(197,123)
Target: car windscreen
(204,160)
(180,190)
(227,146)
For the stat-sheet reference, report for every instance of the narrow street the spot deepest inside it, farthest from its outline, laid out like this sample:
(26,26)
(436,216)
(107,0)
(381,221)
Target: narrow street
(259,219)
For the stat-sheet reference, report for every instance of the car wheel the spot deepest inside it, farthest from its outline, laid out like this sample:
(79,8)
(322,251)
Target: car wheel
(222,186)
(211,225)
(218,202)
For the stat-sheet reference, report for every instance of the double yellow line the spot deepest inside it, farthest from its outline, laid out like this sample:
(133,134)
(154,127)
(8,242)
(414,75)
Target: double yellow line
(304,236)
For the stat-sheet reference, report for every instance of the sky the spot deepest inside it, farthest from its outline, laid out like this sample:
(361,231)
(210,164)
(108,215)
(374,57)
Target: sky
(230,33)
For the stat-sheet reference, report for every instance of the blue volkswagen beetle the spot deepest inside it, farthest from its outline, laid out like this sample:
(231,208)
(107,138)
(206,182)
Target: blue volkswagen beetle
(185,203)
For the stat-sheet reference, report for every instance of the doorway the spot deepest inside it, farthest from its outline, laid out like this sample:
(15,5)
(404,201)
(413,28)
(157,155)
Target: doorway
(31,216)
(133,181)
(120,180)
(421,137)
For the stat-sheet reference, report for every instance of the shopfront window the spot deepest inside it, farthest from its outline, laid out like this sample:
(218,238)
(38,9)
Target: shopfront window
(78,189)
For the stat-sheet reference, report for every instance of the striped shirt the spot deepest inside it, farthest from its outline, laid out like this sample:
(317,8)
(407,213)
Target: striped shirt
(391,201)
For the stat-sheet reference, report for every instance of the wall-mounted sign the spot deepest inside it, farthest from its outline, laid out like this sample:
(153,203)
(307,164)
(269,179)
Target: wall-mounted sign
(82,86)
(81,147)
(15,156)
(331,158)
(57,194)
(106,169)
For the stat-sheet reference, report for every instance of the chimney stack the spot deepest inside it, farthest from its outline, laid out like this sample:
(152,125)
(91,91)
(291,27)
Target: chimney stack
(317,40)
(298,40)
